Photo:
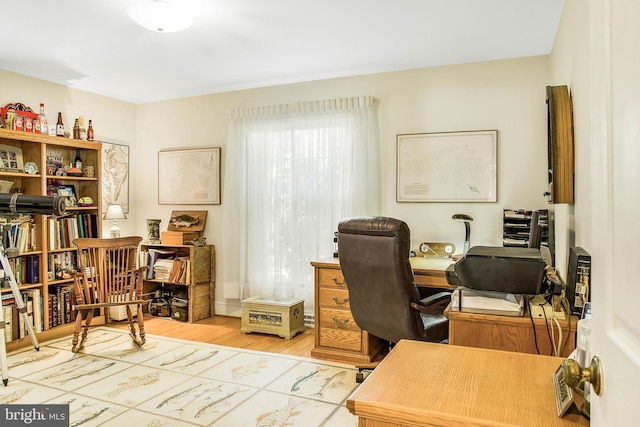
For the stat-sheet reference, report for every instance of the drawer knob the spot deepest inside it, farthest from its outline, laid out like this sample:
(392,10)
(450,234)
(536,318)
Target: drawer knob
(344,300)
(336,281)
(339,324)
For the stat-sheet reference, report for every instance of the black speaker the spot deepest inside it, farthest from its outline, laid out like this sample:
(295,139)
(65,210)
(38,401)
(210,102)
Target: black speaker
(578,279)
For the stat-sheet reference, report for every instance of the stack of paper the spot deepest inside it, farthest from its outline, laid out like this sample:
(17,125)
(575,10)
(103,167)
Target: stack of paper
(487,302)
(162,268)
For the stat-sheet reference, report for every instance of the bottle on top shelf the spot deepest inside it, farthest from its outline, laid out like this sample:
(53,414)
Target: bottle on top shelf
(59,125)
(76,130)
(44,123)
(90,131)
(83,130)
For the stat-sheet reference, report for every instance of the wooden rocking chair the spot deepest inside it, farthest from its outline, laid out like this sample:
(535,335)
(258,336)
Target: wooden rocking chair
(107,277)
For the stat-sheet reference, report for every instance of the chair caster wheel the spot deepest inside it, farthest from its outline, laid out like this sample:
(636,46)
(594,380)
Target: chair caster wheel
(359,377)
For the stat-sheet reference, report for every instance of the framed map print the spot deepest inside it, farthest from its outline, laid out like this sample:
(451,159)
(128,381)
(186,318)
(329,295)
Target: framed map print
(447,167)
(115,176)
(189,176)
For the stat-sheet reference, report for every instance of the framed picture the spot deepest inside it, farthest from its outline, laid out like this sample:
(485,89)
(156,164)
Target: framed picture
(189,176)
(187,221)
(115,176)
(447,167)
(11,159)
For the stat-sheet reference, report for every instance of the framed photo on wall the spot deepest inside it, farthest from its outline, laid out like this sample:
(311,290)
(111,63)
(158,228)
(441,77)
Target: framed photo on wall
(447,167)
(189,176)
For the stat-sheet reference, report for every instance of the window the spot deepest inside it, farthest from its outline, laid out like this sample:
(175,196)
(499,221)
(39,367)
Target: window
(293,173)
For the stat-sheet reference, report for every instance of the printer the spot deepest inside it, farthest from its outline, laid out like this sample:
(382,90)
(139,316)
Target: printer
(500,269)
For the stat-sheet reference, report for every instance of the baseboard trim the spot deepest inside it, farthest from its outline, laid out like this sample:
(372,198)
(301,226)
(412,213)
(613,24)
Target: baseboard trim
(228,309)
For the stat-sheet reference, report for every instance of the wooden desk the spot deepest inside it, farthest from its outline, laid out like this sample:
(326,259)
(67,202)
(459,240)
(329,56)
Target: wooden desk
(429,272)
(336,335)
(426,384)
(506,332)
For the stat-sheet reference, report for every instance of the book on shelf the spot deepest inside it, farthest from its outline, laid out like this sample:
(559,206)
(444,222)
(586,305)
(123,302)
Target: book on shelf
(60,305)
(53,309)
(9,307)
(7,310)
(67,305)
(179,269)
(32,269)
(29,305)
(17,266)
(33,299)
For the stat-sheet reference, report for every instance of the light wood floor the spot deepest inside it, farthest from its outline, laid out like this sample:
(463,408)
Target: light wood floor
(220,330)
(225,331)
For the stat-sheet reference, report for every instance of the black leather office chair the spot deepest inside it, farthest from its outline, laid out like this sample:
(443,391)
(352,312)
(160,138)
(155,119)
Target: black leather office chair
(384,299)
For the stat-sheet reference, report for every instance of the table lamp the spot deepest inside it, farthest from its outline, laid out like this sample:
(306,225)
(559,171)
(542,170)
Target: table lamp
(115,213)
(466,219)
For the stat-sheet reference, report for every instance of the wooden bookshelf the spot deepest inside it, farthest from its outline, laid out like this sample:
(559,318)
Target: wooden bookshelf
(36,148)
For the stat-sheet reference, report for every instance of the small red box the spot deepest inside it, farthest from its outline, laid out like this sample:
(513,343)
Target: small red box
(21,109)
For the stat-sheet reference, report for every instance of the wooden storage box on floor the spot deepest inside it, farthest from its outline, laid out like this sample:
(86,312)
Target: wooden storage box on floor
(279,316)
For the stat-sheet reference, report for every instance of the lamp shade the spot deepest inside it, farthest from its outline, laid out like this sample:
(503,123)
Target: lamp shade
(114,212)
(160,16)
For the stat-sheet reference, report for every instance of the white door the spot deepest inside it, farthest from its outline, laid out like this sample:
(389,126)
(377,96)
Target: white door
(615,216)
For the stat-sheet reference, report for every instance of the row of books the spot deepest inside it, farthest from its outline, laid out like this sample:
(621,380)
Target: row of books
(25,269)
(15,327)
(166,265)
(60,303)
(59,311)
(21,236)
(62,231)
(172,270)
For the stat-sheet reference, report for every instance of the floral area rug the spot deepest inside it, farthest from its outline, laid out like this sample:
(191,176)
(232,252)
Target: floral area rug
(171,382)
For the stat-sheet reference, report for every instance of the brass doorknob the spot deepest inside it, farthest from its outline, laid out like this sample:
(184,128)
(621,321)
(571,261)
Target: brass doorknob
(574,374)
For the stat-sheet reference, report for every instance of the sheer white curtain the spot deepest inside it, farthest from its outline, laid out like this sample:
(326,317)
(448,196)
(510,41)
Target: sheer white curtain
(293,171)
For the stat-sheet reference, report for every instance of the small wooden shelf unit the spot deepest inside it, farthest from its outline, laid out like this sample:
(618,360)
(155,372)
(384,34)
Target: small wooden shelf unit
(200,289)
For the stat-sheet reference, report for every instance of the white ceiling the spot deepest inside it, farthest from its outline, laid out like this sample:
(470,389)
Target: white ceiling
(238,44)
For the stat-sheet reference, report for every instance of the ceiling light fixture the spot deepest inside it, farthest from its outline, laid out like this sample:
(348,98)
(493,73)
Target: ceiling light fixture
(160,16)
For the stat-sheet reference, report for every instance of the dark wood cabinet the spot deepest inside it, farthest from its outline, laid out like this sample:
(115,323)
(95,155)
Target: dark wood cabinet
(560,151)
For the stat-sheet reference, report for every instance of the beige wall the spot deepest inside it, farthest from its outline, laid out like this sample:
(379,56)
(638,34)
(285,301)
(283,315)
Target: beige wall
(569,65)
(505,95)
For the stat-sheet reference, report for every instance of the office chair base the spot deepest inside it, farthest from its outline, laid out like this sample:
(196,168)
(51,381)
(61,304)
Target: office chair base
(361,375)
(365,369)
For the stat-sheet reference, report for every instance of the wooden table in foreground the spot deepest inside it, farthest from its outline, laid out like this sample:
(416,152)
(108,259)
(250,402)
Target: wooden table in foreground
(426,384)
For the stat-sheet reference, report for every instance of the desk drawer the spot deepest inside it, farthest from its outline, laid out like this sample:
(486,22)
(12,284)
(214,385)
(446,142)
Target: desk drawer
(337,329)
(331,278)
(334,298)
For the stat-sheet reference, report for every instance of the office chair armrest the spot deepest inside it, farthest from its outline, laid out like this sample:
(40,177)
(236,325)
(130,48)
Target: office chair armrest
(436,298)
(428,304)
